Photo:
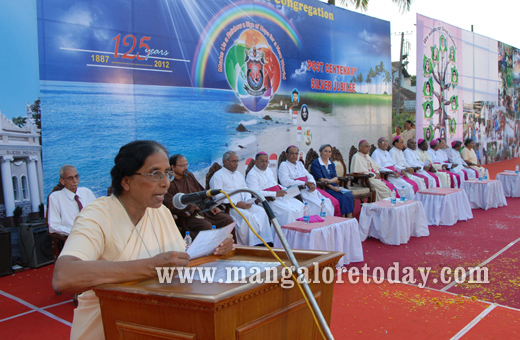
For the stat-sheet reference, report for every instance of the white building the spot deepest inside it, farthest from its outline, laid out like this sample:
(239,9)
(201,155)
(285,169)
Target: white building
(20,166)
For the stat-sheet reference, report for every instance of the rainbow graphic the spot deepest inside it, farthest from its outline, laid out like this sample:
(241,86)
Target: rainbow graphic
(224,18)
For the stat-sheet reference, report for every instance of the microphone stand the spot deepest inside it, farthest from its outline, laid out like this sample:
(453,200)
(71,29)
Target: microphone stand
(288,251)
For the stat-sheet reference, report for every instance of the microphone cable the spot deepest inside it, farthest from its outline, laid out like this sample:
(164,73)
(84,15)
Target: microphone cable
(281,262)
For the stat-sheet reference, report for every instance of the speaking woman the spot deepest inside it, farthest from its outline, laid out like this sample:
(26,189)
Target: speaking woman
(123,237)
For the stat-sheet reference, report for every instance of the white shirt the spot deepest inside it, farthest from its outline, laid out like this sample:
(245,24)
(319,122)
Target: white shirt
(384,160)
(229,181)
(398,158)
(454,157)
(413,159)
(262,179)
(438,157)
(63,208)
(288,172)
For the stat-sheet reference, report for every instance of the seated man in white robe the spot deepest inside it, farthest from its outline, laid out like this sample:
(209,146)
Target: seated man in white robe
(454,157)
(400,163)
(470,157)
(292,172)
(414,161)
(261,178)
(440,161)
(456,168)
(363,163)
(397,176)
(424,155)
(229,179)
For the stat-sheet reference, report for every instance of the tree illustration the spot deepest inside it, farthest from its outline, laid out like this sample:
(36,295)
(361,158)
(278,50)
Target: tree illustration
(443,78)
(387,79)
(360,80)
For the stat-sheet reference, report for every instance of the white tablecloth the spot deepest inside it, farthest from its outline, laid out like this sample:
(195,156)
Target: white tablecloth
(510,183)
(393,225)
(335,234)
(445,206)
(484,194)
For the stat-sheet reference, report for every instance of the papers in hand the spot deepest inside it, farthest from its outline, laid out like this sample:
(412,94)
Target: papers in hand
(292,191)
(207,240)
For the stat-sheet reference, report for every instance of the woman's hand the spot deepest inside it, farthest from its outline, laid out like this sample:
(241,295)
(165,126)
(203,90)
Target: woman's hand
(225,247)
(170,259)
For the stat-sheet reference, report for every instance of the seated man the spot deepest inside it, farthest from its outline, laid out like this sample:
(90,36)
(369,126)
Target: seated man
(65,205)
(400,163)
(398,176)
(424,155)
(292,172)
(440,161)
(261,178)
(455,158)
(229,179)
(470,157)
(363,163)
(413,160)
(191,218)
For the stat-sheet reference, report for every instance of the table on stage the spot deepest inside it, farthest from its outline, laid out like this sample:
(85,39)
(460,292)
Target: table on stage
(445,206)
(249,310)
(510,183)
(484,194)
(335,233)
(393,224)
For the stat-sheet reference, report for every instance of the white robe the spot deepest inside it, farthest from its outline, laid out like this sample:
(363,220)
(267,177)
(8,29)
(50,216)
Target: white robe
(443,156)
(257,217)
(439,159)
(287,210)
(362,163)
(400,161)
(427,160)
(413,159)
(288,173)
(384,160)
(454,157)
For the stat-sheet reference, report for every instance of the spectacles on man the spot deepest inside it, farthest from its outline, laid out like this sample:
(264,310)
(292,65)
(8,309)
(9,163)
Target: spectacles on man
(157,175)
(183,165)
(71,178)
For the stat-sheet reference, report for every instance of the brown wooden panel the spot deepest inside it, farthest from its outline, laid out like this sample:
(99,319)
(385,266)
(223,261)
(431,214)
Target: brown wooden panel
(292,322)
(131,331)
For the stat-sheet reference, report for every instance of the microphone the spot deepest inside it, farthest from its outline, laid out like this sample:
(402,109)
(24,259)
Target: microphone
(180,200)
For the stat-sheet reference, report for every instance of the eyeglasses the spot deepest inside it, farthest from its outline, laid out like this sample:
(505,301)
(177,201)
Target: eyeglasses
(157,175)
(233,162)
(183,165)
(71,178)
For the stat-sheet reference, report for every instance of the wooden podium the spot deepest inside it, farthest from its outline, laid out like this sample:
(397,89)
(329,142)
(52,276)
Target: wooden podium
(206,311)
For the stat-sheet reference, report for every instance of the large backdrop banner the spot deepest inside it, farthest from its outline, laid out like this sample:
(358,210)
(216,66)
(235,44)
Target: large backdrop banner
(468,86)
(203,77)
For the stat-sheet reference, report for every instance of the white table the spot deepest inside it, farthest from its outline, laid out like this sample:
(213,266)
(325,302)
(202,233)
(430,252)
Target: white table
(393,224)
(510,183)
(335,233)
(484,194)
(445,206)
